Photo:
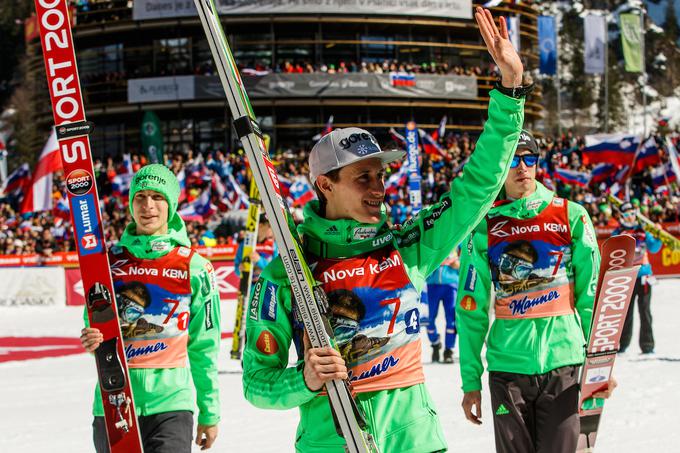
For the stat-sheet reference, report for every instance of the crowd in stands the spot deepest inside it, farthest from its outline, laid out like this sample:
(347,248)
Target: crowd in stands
(223,175)
(366,67)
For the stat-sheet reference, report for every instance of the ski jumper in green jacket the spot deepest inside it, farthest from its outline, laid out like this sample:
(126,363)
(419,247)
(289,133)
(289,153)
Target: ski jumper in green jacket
(373,278)
(180,320)
(542,320)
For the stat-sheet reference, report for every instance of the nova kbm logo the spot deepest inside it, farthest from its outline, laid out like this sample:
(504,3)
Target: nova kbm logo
(86,222)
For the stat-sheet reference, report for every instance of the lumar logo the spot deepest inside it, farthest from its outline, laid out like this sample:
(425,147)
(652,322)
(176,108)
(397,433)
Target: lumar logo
(346,142)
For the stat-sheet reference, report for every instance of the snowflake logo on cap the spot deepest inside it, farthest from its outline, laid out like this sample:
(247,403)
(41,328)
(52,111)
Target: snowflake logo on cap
(362,150)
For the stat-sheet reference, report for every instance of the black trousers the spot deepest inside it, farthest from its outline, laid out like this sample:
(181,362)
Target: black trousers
(536,413)
(643,295)
(168,432)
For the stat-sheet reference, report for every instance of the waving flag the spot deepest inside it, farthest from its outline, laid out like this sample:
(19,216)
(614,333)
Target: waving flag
(397,137)
(662,175)
(121,185)
(285,185)
(62,210)
(182,179)
(396,180)
(440,133)
(326,130)
(610,148)
(19,179)
(430,145)
(301,192)
(200,209)
(548,182)
(673,157)
(39,194)
(235,197)
(648,155)
(602,172)
(572,177)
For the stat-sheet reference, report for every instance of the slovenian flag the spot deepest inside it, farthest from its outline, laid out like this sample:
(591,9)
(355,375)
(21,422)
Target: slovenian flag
(396,180)
(430,145)
(62,209)
(402,79)
(19,179)
(301,192)
(602,172)
(662,174)
(199,209)
(572,177)
(182,179)
(398,138)
(326,130)
(120,185)
(648,156)
(617,149)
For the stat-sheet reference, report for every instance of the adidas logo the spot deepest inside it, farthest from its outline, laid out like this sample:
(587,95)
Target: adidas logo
(502,410)
(332,230)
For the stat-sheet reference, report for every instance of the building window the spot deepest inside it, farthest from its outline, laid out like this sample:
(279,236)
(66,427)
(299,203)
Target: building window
(172,56)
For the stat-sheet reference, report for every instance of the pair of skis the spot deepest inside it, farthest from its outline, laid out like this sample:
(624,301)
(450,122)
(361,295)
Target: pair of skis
(246,281)
(72,134)
(310,301)
(615,286)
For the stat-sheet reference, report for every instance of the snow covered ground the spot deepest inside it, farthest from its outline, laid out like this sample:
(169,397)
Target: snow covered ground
(45,403)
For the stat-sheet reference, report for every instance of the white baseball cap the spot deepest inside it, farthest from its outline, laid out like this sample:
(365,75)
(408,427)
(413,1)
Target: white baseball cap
(342,147)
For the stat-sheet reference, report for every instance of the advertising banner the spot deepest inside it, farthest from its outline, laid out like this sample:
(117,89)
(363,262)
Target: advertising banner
(34,286)
(595,28)
(181,88)
(413,163)
(74,287)
(547,43)
(161,9)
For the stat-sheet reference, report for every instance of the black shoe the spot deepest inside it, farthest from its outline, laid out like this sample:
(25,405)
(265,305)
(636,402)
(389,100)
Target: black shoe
(448,356)
(435,352)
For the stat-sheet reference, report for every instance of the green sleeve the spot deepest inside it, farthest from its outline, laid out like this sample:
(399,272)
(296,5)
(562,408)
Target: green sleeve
(472,307)
(427,241)
(204,339)
(268,381)
(585,263)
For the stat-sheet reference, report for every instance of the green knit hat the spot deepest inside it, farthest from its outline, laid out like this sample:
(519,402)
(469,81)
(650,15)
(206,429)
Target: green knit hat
(159,178)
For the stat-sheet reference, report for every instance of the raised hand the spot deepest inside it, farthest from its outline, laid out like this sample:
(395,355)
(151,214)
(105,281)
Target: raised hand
(499,46)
